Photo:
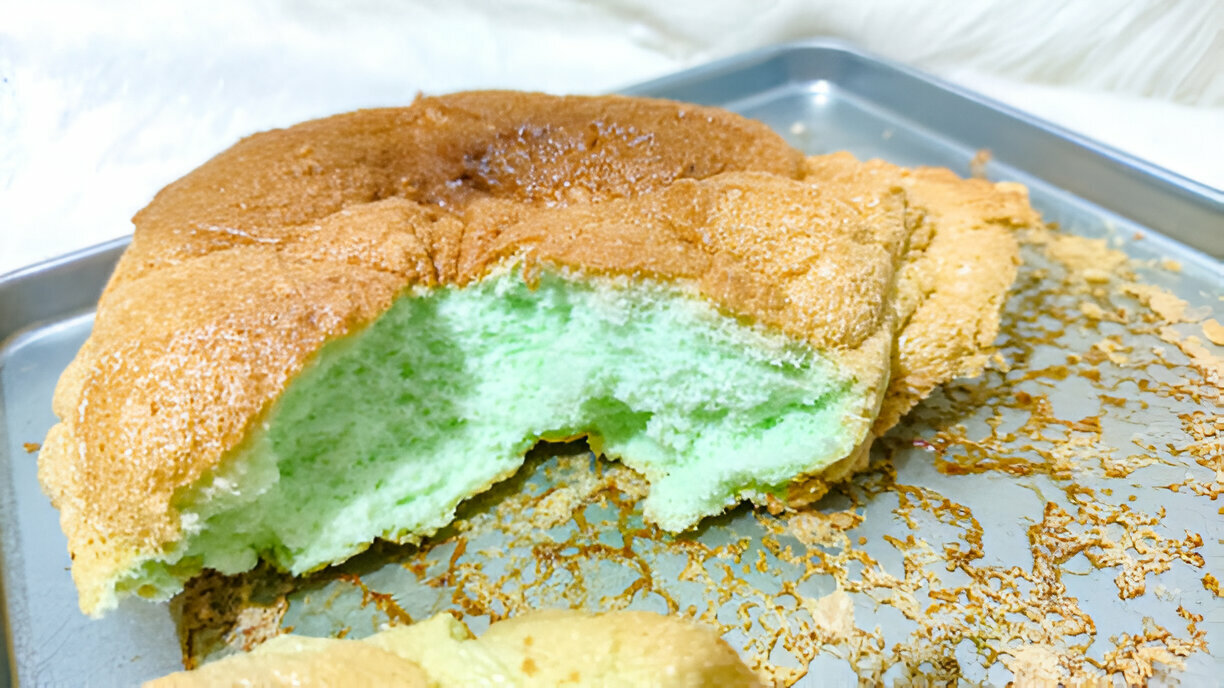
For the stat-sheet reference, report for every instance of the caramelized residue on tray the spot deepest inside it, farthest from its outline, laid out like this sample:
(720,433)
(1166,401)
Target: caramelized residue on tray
(989,524)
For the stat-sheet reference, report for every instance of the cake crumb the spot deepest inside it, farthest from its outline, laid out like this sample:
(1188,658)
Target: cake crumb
(32,447)
(977,165)
(833,614)
(1113,350)
(1091,259)
(257,624)
(1091,310)
(1163,303)
(1212,366)
(1032,665)
(1212,584)
(1214,331)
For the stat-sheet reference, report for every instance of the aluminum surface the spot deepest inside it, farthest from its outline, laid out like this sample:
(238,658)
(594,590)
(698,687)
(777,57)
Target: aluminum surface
(822,97)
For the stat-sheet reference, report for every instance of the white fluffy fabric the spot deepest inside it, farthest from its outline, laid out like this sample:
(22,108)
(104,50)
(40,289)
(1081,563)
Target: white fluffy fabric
(101,104)
(1171,50)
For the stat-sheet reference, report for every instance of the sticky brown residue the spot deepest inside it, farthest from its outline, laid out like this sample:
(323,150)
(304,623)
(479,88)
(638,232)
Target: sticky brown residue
(1210,582)
(227,613)
(383,602)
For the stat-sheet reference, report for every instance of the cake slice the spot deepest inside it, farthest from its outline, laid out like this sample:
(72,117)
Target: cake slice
(336,332)
(541,648)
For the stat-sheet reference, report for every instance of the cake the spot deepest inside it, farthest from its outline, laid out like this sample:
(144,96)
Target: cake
(542,648)
(336,332)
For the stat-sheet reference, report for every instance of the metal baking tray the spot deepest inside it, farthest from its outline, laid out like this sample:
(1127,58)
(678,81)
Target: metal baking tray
(822,96)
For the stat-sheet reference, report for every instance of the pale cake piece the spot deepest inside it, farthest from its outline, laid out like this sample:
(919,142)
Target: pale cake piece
(289,661)
(336,332)
(542,648)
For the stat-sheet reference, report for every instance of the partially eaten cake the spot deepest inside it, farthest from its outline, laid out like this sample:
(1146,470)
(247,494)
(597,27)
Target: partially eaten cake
(335,333)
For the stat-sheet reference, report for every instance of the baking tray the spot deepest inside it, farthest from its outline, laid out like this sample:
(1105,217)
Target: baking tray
(822,96)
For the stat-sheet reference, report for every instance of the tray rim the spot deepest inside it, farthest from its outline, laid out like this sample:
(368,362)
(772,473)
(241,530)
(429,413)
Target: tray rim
(708,69)
(1205,203)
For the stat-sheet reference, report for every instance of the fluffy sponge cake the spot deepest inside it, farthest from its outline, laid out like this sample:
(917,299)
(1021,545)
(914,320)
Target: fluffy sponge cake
(336,332)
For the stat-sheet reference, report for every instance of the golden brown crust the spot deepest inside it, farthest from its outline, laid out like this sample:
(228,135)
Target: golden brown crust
(445,153)
(815,262)
(962,258)
(239,272)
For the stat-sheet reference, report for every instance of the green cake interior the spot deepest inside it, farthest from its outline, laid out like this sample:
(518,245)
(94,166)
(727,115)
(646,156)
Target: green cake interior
(390,428)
